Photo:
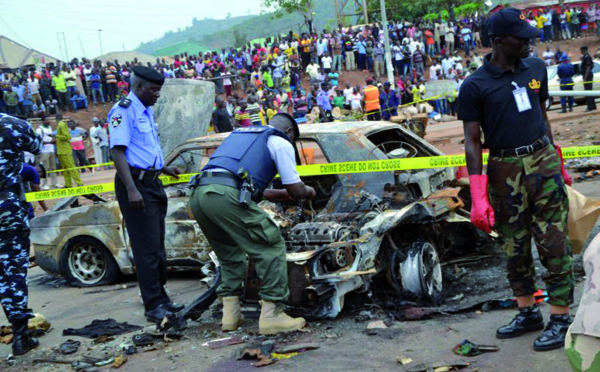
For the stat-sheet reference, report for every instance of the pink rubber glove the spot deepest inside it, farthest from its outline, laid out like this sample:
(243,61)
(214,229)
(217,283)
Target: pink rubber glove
(482,214)
(563,171)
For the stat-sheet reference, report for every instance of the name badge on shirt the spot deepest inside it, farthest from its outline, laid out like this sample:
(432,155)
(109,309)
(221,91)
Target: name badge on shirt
(521,98)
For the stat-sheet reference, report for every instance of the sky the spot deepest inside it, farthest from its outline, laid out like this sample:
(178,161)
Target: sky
(40,24)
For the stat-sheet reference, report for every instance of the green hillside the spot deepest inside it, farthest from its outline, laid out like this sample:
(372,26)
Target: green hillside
(216,34)
(195,31)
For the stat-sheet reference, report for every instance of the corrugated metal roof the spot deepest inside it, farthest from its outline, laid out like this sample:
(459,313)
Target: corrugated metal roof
(15,55)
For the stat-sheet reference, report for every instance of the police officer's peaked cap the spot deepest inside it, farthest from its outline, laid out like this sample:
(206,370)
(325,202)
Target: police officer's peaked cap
(511,22)
(293,121)
(149,74)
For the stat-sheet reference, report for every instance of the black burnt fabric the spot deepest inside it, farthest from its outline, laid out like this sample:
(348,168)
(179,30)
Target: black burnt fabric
(98,328)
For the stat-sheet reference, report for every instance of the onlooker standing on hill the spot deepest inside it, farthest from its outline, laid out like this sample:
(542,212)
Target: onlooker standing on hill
(111,82)
(418,60)
(33,86)
(336,47)
(70,80)
(60,86)
(96,86)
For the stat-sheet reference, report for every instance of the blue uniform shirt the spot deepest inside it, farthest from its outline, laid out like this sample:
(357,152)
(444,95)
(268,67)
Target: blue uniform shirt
(134,128)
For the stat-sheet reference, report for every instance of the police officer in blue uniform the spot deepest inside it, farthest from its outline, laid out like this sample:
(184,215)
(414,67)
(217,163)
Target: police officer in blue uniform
(139,161)
(224,204)
(16,136)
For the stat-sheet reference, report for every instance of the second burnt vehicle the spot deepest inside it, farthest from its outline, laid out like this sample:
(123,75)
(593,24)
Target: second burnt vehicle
(392,228)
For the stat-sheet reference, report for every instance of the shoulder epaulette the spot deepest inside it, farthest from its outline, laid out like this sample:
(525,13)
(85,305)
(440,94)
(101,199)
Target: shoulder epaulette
(125,102)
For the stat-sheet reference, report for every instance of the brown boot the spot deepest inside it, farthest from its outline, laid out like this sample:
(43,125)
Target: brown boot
(273,320)
(232,313)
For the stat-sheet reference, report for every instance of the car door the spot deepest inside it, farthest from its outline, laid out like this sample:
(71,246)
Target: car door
(185,244)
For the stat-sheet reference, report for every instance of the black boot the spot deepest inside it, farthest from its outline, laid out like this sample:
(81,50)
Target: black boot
(22,341)
(564,110)
(528,319)
(554,334)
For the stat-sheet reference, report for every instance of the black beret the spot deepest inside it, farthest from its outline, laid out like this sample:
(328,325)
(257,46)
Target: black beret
(149,74)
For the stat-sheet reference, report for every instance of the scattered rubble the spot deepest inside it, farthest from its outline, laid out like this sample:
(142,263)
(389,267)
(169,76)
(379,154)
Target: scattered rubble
(468,348)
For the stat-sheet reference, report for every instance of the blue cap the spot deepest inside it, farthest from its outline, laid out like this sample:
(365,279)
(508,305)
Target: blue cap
(511,22)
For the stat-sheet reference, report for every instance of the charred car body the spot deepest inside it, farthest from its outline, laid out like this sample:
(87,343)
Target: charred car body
(393,225)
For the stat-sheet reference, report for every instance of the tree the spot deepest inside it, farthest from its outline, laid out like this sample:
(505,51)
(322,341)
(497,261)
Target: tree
(240,37)
(304,7)
(228,15)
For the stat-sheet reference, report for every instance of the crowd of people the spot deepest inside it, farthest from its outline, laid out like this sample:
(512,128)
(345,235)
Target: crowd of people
(261,79)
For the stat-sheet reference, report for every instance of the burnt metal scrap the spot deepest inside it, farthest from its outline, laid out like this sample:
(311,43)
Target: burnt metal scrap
(390,229)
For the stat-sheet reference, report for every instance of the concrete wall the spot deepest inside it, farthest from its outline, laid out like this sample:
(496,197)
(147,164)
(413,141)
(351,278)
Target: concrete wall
(183,111)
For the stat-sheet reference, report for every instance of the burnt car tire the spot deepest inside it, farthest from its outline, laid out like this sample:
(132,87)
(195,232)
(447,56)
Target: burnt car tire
(85,262)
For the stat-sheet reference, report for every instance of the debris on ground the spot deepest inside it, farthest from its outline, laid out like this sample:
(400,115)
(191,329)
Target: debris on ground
(438,367)
(222,342)
(374,327)
(296,347)
(404,361)
(257,352)
(69,347)
(143,339)
(98,328)
(39,322)
(279,356)
(119,361)
(468,348)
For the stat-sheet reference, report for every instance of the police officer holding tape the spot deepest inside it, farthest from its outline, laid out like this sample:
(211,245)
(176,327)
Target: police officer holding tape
(505,98)
(139,161)
(16,136)
(224,204)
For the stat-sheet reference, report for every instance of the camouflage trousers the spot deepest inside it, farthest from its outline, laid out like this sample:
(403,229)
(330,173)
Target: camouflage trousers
(530,199)
(583,352)
(14,262)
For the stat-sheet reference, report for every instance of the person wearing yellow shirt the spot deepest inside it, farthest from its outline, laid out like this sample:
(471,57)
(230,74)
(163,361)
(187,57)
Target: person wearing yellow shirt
(540,19)
(60,85)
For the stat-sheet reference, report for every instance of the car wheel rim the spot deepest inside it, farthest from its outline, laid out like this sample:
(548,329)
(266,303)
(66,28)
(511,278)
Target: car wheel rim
(87,263)
(422,272)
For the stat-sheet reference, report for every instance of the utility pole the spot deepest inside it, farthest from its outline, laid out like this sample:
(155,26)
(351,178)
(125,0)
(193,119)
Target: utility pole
(66,51)
(124,47)
(62,55)
(81,44)
(386,40)
(100,42)
(365,13)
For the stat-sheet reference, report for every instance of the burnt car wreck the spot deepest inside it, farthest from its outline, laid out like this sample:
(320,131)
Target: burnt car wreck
(390,229)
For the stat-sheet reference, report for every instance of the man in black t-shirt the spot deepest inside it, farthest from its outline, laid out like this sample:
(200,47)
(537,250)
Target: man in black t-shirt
(505,98)
(588,76)
(220,117)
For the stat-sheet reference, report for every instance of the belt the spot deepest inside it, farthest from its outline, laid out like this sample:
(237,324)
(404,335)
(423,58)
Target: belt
(521,151)
(144,175)
(219,178)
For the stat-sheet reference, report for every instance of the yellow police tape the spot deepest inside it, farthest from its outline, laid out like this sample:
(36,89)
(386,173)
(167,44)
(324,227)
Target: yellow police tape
(82,167)
(387,165)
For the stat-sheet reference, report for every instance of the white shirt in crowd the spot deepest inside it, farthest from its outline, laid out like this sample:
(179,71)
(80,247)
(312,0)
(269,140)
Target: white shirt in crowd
(348,95)
(355,102)
(33,86)
(45,134)
(326,61)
